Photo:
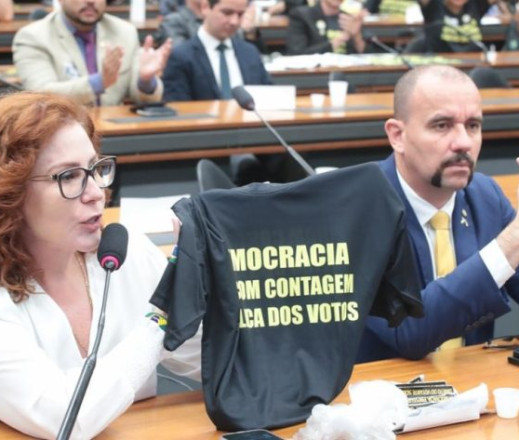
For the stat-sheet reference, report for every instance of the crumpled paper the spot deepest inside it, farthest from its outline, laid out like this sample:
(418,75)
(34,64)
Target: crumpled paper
(377,408)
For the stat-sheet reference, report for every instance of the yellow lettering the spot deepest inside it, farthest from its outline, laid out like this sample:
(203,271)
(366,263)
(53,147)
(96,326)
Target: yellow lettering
(251,318)
(285,315)
(248,289)
(286,257)
(342,256)
(238,259)
(254,259)
(270,257)
(282,257)
(318,255)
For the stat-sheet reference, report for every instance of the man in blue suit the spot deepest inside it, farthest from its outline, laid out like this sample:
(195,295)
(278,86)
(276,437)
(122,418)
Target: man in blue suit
(436,139)
(193,70)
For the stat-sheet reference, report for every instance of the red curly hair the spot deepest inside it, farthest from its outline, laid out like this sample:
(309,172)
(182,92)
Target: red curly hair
(27,121)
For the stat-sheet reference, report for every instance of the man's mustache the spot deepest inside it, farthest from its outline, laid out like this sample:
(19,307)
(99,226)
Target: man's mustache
(436,179)
(457,158)
(89,8)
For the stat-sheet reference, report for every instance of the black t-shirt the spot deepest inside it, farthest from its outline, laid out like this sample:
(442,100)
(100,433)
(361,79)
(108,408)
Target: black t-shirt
(284,276)
(448,32)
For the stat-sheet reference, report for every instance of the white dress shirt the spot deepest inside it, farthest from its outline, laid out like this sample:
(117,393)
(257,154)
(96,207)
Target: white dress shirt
(210,45)
(40,361)
(492,255)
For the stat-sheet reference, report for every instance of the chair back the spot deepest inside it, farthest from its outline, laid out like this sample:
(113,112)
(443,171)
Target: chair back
(416,45)
(488,78)
(210,176)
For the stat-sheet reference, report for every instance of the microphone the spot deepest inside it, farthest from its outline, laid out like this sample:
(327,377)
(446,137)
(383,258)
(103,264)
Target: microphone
(246,102)
(111,252)
(111,255)
(375,41)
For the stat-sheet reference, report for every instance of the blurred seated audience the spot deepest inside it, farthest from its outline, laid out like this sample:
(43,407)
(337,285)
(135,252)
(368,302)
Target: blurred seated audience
(454,25)
(285,6)
(195,70)
(84,52)
(183,24)
(325,28)
(168,6)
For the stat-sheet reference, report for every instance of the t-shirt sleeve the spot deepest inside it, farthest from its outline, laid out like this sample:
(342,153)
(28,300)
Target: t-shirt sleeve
(181,292)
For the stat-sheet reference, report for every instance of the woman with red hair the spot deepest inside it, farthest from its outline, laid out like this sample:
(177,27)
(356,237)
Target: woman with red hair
(52,196)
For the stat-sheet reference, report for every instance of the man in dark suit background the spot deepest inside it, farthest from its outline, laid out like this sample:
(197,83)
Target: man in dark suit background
(193,70)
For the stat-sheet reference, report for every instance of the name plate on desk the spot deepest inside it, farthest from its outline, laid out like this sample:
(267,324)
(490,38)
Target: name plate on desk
(273,97)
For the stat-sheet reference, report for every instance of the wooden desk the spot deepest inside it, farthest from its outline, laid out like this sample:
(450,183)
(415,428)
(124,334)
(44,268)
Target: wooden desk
(152,153)
(372,77)
(222,128)
(182,416)
(375,78)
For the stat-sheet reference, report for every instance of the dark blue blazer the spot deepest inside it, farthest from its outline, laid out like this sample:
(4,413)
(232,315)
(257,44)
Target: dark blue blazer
(188,75)
(466,301)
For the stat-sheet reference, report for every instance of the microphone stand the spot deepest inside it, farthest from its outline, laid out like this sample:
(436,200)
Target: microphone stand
(374,39)
(293,153)
(86,373)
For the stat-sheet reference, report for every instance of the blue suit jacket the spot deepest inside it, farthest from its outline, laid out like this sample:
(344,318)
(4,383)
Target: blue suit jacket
(466,301)
(188,75)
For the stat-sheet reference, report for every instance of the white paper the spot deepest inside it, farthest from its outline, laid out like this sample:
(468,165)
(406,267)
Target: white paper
(284,63)
(462,408)
(138,11)
(273,97)
(148,215)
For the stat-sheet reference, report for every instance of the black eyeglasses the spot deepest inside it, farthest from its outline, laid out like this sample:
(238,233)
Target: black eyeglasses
(73,181)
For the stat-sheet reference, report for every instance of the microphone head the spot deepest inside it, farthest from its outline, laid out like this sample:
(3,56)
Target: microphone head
(243,98)
(111,252)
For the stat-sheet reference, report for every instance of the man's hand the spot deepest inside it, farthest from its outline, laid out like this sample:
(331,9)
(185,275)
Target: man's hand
(111,65)
(152,61)
(350,24)
(248,20)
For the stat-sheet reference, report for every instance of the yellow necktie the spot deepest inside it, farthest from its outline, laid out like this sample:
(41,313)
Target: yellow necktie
(444,258)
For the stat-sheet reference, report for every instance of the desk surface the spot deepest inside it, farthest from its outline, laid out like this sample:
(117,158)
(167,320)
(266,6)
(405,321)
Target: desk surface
(212,128)
(183,416)
(158,157)
(379,72)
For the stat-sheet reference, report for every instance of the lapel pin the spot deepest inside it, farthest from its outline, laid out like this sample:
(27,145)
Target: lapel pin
(464,220)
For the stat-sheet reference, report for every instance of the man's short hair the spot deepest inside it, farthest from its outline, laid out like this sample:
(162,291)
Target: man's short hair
(405,86)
